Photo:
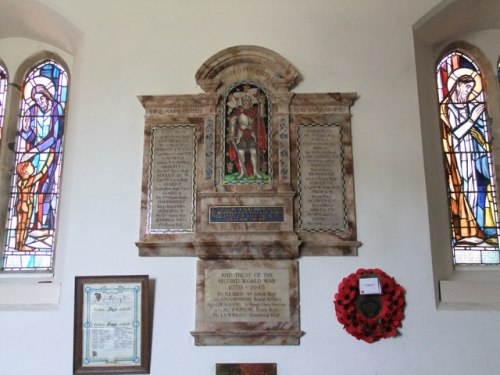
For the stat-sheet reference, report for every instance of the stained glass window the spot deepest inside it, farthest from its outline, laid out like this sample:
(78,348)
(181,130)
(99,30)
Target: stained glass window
(466,141)
(32,214)
(3,95)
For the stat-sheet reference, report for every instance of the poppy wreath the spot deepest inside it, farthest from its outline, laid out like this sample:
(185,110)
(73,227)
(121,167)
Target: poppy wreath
(370,317)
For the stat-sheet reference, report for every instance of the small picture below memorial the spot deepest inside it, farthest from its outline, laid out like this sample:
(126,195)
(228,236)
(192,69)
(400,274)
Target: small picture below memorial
(246,369)
(247,132)
(112,326)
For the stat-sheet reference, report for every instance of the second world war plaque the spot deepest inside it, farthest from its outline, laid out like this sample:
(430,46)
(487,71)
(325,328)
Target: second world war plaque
(247,303)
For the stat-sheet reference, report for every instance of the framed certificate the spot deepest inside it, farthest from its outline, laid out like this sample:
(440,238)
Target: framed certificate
(112,326)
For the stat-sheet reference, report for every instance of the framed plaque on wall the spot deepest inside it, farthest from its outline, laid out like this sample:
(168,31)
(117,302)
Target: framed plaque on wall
(112,326)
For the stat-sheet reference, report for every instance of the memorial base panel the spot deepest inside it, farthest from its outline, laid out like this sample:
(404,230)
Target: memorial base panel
(165,249)
(248,246)
(333,248)
(247,302)
(247,338)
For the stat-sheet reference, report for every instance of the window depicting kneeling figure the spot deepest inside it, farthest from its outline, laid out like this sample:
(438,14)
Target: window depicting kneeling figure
(467,148)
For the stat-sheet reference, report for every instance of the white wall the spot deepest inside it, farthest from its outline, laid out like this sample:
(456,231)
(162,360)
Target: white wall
(128,48)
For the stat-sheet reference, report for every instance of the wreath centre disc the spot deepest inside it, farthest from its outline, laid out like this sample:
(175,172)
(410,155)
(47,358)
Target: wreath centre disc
(369,306)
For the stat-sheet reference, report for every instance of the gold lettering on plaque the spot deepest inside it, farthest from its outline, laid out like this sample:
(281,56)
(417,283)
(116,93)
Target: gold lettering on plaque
(247,295)
(321,183)
(171,180)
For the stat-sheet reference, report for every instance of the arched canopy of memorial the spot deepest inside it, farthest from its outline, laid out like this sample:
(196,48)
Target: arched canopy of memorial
(232,62)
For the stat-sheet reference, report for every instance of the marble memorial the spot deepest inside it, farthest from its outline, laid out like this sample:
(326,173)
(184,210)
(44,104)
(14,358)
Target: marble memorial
(247,176)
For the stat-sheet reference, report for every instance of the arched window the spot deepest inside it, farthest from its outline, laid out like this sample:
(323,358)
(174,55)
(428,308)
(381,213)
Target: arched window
(3,95)
(466,141)
(32,214)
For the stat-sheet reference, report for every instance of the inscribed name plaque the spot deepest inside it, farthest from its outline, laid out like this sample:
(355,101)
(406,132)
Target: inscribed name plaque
(171,182)
(321,182)
(245,214)
(247,303)
(247,295)
(245,369)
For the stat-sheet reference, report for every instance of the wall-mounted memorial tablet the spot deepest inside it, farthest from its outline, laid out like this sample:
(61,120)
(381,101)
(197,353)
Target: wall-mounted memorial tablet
(247,302)
(248,169)
(320,128)
(247,176)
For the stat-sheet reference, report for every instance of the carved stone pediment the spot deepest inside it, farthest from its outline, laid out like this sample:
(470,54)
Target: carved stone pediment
(252,63)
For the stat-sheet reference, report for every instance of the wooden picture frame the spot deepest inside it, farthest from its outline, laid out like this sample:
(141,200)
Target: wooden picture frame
(112,325)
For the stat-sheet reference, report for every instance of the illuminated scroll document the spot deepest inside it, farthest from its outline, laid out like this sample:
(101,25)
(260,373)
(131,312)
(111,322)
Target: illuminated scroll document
(112,329)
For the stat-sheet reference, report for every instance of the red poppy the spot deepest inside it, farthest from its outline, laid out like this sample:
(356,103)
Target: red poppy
(359,272)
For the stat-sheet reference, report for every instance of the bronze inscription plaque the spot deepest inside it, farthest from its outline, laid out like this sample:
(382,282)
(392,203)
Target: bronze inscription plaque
(246,369)
(246,214)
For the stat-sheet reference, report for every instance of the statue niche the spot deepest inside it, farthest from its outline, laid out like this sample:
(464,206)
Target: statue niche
(246,124)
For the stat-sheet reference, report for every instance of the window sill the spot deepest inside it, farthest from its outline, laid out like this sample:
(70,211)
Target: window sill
(471,290)
(29,296)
